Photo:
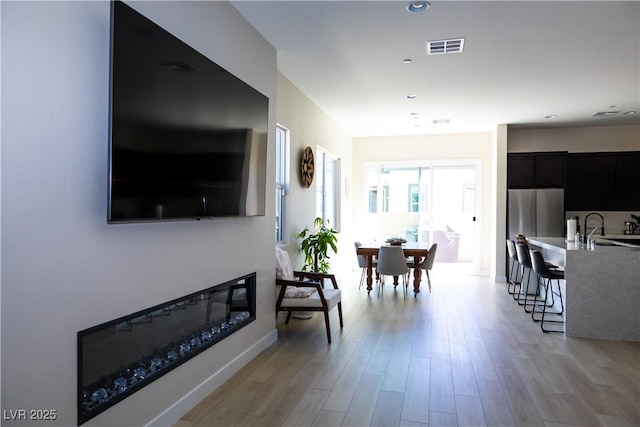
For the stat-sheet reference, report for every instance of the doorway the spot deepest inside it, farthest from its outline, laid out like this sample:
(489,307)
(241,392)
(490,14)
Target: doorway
(433,202)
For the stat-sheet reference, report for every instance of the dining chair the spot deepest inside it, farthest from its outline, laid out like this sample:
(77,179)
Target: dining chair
(427,262)
(392,262)
(362,263)
(305,291)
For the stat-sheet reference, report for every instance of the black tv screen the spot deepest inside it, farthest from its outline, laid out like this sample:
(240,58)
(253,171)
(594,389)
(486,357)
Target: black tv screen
(188,140)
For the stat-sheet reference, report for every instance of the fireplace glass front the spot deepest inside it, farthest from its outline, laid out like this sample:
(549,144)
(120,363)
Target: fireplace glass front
(117,358)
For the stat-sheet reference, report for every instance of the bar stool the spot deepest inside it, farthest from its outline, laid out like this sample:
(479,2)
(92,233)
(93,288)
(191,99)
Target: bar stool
(513,284)
(522,251)
(547,276)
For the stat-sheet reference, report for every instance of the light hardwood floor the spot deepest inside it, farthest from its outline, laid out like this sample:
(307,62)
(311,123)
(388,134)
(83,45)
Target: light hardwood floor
(464,355)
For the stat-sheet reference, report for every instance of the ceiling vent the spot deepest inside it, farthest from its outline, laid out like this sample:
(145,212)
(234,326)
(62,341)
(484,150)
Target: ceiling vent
(441,47)
(604,114)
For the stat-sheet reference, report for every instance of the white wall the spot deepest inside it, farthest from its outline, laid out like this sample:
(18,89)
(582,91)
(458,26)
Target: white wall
(64,268)
(470,146)
(310,126)
(575,139)
(499,206)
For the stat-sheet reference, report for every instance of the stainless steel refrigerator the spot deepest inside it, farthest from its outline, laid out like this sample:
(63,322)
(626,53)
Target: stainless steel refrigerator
(536,212)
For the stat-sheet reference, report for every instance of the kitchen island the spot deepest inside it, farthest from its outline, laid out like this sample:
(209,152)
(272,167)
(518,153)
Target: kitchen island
(602,286)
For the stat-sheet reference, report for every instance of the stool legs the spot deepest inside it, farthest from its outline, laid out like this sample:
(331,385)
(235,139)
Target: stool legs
(544,313)
(512,282)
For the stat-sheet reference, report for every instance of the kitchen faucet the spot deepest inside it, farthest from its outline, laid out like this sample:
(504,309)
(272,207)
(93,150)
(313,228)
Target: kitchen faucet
(586,218)
(591,234)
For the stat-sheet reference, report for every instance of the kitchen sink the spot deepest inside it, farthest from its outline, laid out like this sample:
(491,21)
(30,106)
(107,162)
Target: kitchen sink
(605,243)
(634,242)
(629,243)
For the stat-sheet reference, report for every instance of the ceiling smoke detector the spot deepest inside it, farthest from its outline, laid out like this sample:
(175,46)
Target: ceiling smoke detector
(441,47)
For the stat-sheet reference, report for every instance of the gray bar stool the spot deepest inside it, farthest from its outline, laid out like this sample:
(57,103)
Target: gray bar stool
(547,276)
(513,284)
(530,298)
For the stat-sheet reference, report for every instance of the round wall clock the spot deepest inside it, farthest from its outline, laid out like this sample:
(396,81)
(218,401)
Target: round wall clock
(307,167)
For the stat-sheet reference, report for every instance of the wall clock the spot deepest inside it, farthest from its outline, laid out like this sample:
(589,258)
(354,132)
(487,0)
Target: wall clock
(307,167)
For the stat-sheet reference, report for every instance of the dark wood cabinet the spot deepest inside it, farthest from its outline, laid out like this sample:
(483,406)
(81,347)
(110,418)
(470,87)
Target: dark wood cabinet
(607,181)
(628,181)
(536,170)
(521,170)
(603,181)
(550,170)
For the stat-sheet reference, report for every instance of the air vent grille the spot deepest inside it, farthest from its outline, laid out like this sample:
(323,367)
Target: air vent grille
(604,114)
(441,47)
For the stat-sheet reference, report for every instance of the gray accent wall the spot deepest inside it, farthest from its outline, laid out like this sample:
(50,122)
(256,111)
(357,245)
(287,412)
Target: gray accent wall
(64,268)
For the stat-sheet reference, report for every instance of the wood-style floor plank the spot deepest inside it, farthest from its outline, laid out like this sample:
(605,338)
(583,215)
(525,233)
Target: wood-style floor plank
(364,400)
(416,396)
(388,409)
(463,355)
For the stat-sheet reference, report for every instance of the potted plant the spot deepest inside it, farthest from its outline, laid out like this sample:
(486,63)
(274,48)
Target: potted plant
(316,245)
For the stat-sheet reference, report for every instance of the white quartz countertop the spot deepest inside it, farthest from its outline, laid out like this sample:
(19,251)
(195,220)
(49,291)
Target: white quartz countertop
(560,243)
(552,243)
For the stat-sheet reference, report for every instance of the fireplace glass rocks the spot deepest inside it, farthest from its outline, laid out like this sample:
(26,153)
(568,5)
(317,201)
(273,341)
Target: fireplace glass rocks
(117,358)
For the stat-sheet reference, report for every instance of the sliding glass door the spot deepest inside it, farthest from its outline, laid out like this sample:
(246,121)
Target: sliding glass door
(428,202)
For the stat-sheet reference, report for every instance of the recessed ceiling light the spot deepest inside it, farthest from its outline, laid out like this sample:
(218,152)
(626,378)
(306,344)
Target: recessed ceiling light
(412,96)
(407,61)
(418,6)
(552,116)
(628,113)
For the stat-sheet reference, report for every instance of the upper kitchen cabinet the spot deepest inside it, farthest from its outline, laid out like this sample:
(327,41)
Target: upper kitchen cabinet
(536,170)
(590,182)
(628,181)
(603,181)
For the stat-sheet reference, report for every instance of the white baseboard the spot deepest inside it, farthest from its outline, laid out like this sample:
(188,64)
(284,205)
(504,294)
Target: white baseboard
(172,414)
(501,279)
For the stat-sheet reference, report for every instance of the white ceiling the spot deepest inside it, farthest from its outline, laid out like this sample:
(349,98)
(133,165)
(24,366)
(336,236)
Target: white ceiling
(522,61)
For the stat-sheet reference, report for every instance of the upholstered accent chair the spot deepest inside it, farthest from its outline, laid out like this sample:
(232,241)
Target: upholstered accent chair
(305,291)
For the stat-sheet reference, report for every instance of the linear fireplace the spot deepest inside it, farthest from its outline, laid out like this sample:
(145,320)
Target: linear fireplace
(118,358)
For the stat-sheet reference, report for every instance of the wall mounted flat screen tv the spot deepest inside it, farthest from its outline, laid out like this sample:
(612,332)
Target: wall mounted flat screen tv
(188,140)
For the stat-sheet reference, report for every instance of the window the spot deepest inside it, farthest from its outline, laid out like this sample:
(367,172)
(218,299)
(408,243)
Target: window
(385,198)
(414,198)
(327,176)
(282,179)
(373,200)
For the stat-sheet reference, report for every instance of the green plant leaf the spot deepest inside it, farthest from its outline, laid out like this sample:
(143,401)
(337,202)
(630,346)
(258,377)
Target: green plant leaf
(317,245)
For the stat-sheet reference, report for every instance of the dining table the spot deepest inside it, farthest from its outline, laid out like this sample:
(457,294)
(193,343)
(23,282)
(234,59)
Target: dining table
(418,251)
